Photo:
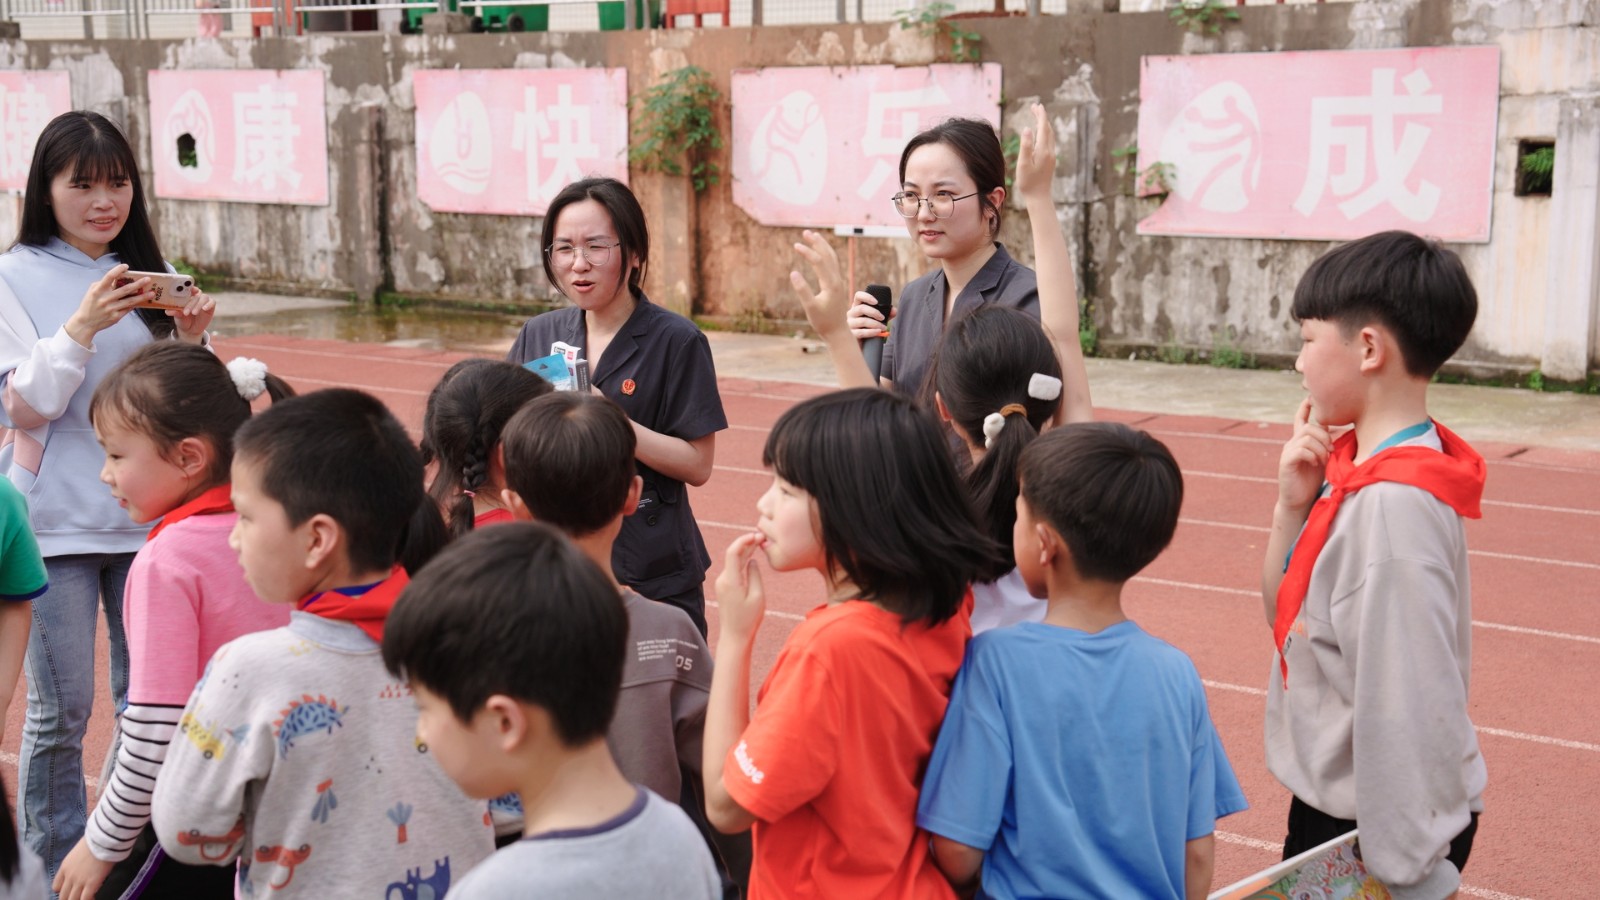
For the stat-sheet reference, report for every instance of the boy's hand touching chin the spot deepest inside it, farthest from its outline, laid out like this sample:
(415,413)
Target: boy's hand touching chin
(741,601)
(1304,459)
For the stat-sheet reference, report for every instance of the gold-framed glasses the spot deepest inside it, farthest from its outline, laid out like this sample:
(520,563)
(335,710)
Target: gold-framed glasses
(941,204)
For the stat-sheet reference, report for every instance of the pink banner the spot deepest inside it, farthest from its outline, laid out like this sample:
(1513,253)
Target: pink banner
(28,101)
(821,146)
(243,135)
(1321,145)
(507,140)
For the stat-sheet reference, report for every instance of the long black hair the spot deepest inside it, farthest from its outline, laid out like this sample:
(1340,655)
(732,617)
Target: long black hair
(893,516)
(96,150)
(984,365)
(466,413)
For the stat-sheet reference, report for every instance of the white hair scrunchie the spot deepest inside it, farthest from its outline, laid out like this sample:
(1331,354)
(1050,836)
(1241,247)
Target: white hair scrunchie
(992,424)
(1044,387)
(249,376)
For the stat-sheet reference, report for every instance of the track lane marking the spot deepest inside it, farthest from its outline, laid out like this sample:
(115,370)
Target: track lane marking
(1489,554)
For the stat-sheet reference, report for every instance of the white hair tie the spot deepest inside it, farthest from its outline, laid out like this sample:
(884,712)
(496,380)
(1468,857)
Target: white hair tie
(249,376)
(994,422)
(1044,387)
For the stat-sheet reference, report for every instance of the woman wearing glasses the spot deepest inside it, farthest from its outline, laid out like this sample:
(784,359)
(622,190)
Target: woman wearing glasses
(952,191)
(653,363)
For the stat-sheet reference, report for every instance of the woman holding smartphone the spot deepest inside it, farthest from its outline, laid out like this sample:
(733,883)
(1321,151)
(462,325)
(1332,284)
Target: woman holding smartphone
(64,324)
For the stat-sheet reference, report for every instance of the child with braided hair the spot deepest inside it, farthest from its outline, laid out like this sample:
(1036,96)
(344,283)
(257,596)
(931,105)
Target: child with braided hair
(461,428)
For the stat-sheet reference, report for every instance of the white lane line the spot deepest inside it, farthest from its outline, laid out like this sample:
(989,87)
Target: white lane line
(370,388)
(11,759)
(1210,436)
(1482,729)
(1489,554)
(771,612)
(1236,688)
(1538,507)
(231,344)
(1487,894)
(1228,837)
(1518,629)
(1242,592)
(740,470)
(1540,739)
(1253,479)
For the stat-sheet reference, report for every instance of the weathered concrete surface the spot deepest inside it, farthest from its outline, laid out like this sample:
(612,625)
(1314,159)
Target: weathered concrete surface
(713,259)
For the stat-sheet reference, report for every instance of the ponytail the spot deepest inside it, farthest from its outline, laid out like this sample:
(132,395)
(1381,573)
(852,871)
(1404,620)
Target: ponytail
(994,373)
(424,536)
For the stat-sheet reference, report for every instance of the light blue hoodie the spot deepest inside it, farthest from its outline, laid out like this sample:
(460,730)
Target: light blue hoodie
(70,509)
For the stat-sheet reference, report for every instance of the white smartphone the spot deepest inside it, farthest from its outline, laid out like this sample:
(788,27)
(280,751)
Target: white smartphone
(172,290)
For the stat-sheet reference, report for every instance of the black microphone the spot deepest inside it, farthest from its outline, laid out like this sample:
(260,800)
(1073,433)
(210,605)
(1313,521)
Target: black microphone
(872,347)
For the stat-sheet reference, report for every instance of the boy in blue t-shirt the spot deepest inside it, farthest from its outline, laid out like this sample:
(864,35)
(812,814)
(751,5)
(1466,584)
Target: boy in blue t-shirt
(1078,758)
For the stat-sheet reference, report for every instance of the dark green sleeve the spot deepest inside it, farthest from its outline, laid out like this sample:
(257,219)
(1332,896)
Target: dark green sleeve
(22,575)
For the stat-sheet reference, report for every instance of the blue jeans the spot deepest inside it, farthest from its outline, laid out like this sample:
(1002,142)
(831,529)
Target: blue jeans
(60,666)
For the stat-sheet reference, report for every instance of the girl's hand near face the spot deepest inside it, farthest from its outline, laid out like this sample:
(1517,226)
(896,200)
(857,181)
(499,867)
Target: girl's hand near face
(104,304)
(192,321)
(741,601)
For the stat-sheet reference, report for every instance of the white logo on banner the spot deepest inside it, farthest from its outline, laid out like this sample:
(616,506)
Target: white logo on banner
(462,146)
(1214,146)
(23,114)
(1393,155)
(561,132)
(191,115)
(789,151)
(264,137)
(883,141)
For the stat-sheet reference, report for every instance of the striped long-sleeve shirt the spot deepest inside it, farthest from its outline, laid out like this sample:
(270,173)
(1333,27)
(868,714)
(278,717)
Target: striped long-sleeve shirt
(186,597)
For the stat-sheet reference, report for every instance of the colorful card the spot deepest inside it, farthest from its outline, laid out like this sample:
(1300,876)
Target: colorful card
(1333,871)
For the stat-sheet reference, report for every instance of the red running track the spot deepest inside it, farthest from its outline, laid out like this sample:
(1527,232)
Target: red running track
(1536,607)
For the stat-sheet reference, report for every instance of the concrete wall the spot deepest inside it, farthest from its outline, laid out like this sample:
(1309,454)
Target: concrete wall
(1537,276)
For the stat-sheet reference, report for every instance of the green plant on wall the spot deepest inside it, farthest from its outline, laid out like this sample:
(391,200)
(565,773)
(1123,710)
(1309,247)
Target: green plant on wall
(1154,180)
(676,129)
(1011,147)
(1205,17)
(931,20)
(1538,170)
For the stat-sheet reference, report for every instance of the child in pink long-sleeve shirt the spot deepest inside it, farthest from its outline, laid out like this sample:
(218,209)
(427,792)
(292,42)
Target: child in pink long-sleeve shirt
(166,419)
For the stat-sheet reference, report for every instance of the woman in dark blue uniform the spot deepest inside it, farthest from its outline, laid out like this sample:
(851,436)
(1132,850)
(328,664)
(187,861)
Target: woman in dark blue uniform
(653,363)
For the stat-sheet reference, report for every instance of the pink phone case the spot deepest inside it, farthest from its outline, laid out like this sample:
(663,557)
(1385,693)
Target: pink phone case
(172,291)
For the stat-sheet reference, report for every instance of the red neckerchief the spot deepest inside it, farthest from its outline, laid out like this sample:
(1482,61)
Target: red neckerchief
(1454,476)
(367,610)
(494,516)
(217,500)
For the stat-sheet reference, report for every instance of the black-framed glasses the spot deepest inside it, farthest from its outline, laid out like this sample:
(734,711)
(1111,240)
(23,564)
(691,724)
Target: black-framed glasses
(595,253)
(941,204)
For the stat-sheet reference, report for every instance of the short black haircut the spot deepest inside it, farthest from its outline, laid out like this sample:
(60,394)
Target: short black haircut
(1414,287)
(894,517)
(516,610)
(341,453)
(569,456)
(1113,494)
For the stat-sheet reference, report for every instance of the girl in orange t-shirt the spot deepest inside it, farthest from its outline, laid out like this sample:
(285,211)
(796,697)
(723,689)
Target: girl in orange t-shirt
(828,768)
